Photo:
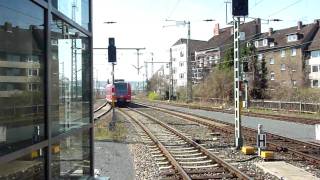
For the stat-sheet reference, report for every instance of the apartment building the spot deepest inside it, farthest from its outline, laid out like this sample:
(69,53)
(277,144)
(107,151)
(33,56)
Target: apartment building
(179,59)
(313,61)
(285,53)
(211,53)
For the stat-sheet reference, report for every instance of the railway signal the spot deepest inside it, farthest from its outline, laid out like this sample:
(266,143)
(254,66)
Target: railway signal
(239,9)
(112,58)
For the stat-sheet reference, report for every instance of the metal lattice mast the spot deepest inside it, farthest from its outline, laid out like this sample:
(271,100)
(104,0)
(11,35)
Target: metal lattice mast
(237,79)
(189,77)
(74,78)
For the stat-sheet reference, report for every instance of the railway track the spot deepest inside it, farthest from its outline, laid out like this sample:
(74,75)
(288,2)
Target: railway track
(101,111)
(177,155)
(294,119)
(306,151)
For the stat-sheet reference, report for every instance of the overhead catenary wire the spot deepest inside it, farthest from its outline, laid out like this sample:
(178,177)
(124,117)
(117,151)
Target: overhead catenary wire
(284,8)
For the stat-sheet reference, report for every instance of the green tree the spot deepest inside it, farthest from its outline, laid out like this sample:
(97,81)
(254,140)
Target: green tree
(259,71)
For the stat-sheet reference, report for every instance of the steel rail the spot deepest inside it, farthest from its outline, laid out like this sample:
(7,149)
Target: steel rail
(229,167)
(301,120)
(228,129)
(164,150)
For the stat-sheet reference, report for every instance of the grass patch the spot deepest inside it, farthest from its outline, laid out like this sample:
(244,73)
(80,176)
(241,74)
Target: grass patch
(102,131)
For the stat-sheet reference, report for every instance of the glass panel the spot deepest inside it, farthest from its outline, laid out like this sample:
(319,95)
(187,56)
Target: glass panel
(21,49)
(77,10)
(28,167)
(70,81)
(71,157)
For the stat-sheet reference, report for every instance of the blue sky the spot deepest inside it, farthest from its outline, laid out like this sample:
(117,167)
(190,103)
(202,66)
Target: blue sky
(140,24)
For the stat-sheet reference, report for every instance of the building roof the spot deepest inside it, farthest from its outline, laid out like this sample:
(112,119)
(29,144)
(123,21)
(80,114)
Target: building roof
(279,37)
(22,41)
(315,44)
(194,44)
(225,38)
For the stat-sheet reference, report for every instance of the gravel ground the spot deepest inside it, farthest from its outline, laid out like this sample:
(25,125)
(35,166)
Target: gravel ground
(121,154)
(225,150)
(287,129)
(114,160)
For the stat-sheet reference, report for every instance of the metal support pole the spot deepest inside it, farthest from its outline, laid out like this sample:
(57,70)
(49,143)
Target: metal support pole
(237,79)
(113,121)
(246,94)
(171,77)
(146,69)
(189,79)
(138,69)
(152,64)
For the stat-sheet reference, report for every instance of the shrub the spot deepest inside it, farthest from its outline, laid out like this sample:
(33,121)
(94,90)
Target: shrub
(153,96)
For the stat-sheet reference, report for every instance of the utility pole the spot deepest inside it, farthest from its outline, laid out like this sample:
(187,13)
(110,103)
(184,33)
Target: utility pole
(152,64)
(189,77)
(146,69)
(171,76)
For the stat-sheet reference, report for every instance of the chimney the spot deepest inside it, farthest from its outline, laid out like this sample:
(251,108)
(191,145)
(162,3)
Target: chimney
(270,31)
(299,27)
(216,29)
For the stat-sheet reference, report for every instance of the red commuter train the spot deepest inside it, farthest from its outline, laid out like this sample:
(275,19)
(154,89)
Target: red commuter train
(120,92)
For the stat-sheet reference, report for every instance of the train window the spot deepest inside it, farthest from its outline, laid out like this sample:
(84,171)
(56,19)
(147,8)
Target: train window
(121,88)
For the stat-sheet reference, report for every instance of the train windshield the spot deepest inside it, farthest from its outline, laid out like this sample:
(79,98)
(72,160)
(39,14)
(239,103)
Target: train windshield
(121,89)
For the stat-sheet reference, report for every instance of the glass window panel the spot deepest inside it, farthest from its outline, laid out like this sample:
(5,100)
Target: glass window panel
(70,80)
(28,167)
(21,108)
(77,10)
(71,157)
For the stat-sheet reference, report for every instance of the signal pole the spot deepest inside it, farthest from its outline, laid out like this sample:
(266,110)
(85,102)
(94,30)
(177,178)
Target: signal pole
(239,9)
(237,79)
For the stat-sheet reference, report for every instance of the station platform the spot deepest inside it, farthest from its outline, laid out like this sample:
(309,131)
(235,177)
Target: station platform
(284,170)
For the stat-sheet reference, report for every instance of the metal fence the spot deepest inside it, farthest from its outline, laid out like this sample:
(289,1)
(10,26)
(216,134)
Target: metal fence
(303,107)
(285,105)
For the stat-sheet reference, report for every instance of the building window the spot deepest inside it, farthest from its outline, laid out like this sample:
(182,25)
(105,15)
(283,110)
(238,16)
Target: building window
(315,68)
(315,83)
(283,67)
(272,44)
(71,157)
(32,72)
(283,53)
(271,60)
(181,75)
(294,83)
(293,52)
(78,10)
(181,64)
(73,85)
(272,75)
(256,44)
(24,39)
(54,42)
(315,54)
(181,54)
(265,42)
(293,37)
